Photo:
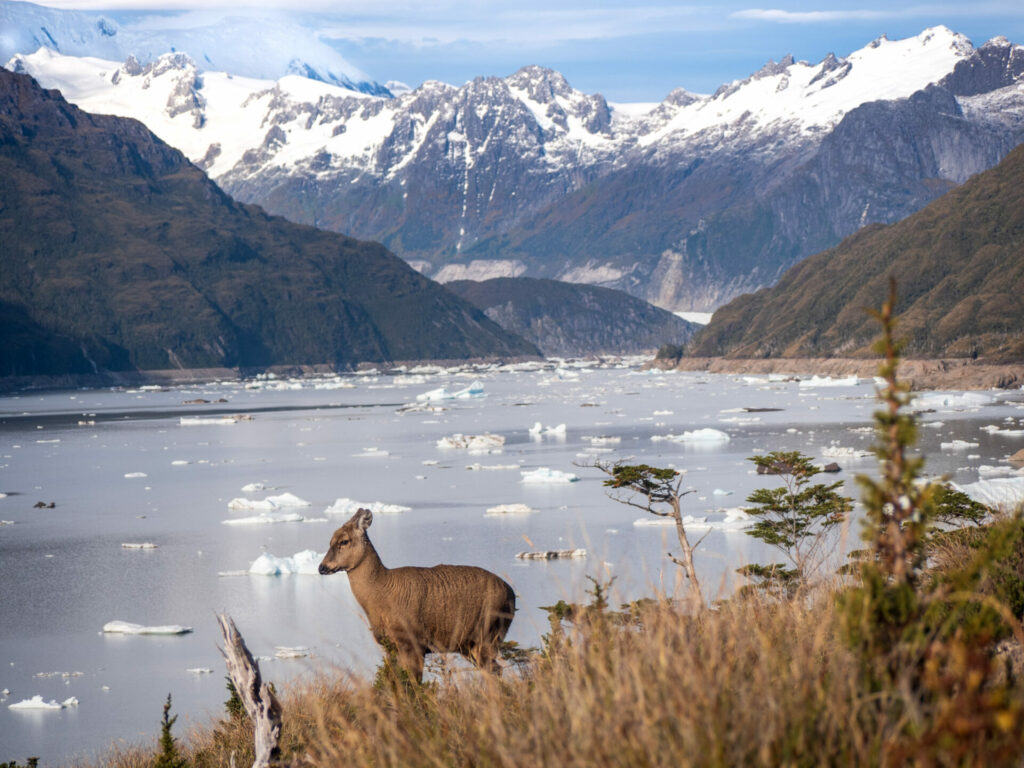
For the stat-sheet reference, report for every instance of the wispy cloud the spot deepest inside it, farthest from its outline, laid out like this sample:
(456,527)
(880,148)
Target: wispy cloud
(782,16)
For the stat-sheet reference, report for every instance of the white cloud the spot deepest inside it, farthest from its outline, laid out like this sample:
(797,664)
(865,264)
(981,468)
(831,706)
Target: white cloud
(867,14)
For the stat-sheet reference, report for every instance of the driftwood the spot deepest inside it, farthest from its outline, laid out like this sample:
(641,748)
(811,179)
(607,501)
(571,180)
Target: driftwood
(259,701)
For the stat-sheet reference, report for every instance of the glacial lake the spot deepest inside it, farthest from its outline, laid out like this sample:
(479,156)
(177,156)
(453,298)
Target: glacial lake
(126,466)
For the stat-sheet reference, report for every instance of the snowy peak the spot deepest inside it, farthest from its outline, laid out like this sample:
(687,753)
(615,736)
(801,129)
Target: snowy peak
(264,48)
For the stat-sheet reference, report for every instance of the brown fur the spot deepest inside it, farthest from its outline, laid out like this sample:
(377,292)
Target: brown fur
(443,609)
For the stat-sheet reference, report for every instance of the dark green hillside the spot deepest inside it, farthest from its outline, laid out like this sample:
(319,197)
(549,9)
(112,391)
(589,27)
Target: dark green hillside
(959,264)
(117,254)
(571,319)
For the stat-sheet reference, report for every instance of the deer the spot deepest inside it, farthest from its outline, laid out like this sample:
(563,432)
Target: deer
(442,609)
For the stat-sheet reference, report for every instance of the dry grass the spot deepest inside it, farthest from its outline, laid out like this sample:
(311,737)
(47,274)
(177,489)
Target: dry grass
(754,682)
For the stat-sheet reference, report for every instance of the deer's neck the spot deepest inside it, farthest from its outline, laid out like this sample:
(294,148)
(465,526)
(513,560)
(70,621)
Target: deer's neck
(368,573)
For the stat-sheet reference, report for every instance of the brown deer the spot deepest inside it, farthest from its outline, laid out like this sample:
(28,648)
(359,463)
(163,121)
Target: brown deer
(443,609)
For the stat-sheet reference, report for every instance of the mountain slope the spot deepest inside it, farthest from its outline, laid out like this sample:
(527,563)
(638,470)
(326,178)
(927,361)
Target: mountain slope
(959,265)
(119,254)
(567,320)
(686,205)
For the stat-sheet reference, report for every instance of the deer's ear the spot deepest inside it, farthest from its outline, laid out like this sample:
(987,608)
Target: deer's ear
(362,519)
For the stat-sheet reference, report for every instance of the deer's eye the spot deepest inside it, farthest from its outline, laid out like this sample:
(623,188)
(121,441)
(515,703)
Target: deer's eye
(344,542)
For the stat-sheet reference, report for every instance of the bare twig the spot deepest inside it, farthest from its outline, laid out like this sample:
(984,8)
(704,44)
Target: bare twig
(258,699)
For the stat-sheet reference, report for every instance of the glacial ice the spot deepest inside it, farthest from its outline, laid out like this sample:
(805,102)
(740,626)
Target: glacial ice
(473,443)
(843,452)
(950,400)
(476,389)
(38,703)
(134,475)
(291,652)
(1004,493)
(957,445)
(828,381)
(538,430)
(138,545)
(705,435)
(346,506)
(266,518)
(127,628)
(505,510)
(269,504)
(734,519)
(306,562)
(546,476)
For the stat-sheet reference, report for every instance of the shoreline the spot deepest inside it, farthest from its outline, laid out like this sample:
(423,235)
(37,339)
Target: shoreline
(950,373)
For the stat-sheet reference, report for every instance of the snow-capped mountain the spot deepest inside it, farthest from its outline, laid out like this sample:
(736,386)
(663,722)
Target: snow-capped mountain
(251,46)
(686,203)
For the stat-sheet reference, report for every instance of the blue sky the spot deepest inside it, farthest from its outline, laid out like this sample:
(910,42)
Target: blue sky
(628,51)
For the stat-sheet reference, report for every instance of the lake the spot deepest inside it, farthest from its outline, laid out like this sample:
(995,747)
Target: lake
(149,466)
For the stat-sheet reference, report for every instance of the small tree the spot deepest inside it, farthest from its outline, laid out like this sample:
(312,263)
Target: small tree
(657,491)
(794,517)
(169,756)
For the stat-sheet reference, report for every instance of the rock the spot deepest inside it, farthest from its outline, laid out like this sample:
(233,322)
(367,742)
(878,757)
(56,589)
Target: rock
(1018,457)
(833,467)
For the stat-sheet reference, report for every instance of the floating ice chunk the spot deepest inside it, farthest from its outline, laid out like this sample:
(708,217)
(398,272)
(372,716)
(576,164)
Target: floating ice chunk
(843,452)
(254,487)
(266,518)
(38,703)
(346,506)
(133,475)
(269,504)
(987,471)
(306,562)
(553,554)
(6,522)
(474,443)
(735,519)
(199,671)
(933,424)
(546,476)
(937,400)
(1004,493)
(828,381)
(492,466)
(373,453)
(195,421)
(536,429)
(706,435)
(505,510)
(476,389)
(992,429)
(180,463)
(292,652)
(598,440)
(720,492)
(957,445)
(138,545)
(127,628)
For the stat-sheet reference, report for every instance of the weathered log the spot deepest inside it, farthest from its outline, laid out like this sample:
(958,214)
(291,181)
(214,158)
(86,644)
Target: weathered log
(258,699)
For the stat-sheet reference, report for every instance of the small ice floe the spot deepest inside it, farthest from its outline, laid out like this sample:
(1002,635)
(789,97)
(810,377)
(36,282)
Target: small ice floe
(951,400)
(539,430)
(133,475)
(306,562)
(38,703)
(196,421)
(992,429)
(732,519)
(553,554)
(476,389)
(269,504)
(346,506)
(6,522)
(720,492)
(473,443)
(508,510)
(335,383)
(828,381)
(494,467)
(127,628)
(1003,493)
(180,463)
(267,518)
(664,413)
(843,452)
(255,487)
(138,545)
(291,652)
(199,671)
(65,675)
(987,471)
(957,445)
(705,435)
(933,424)
(546,476)
(600,440)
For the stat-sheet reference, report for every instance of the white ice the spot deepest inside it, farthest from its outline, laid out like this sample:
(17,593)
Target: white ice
(346,506)
(733,519)
(505,510)
(473,443)
(705,435)
(138,545)
(957,445)
(828,381)
(267,518)
(37,703)
(306,562)
(269,504)
(944,400)
(1004,493)
(127,628)
(546,476)
(843,452)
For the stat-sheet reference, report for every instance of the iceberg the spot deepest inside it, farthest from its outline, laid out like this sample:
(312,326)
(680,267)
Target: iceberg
(506,510)
(134,475)
(266,518)
(957,445)
(306,562)
(734,519)
(706,435)
(270,503)
(476,389)
(127,628)
(474,443)
(37,703)
(828,381)
(546,476)
(1004,493)
(345,506)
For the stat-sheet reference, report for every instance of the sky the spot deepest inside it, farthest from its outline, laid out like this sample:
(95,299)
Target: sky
(627,51)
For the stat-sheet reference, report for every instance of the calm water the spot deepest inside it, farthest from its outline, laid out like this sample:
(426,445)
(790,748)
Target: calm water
(64,574)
